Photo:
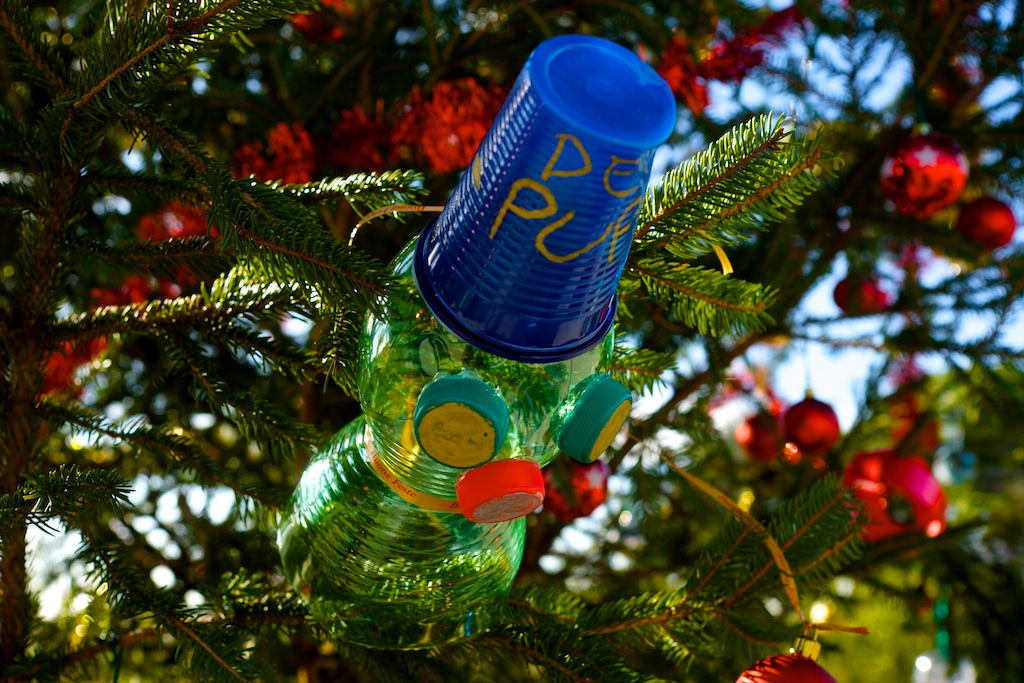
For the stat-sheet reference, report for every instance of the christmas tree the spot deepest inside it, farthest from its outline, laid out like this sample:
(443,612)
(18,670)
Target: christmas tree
(199,204)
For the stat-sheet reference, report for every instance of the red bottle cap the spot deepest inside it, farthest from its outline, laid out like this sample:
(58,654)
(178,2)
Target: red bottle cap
(500,491)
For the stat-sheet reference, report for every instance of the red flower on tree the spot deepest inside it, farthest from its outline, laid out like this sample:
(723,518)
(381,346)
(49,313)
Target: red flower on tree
(325,26)
(64,362)
(173,221)
(726,60)
(289,156)
(731,60)
(448,125)
(680,70)
(361,142)
(134,290)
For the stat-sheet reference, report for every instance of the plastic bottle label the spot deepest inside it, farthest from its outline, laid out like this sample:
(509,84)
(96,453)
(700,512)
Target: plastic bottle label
(406,492)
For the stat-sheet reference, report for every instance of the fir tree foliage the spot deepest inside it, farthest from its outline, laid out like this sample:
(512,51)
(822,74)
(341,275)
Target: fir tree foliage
(166,430)
(740,185)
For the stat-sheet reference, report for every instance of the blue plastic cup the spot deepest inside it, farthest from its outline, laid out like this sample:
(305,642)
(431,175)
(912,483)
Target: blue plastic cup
(525,259)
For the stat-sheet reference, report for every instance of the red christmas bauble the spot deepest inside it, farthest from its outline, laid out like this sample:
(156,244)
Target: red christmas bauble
(812,426)
(589,488)
(900,494)
(860,296)
(786,669)
(924,174)
(988,222)
(759,436)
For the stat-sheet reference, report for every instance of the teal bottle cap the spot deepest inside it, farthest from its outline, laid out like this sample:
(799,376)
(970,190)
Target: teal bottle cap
(595,419)
(460,421)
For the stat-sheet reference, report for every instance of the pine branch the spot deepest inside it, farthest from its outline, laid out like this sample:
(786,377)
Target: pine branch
(213,653)
(57,665)
(265,351)
(796,527)
(121,181)
(563,657)
(193,312)
(168,444)
(64,492)
(737,557)
(248,600)
(639,370)
(35,52)
(15,136)
(259,421)
(164,135)
(706,300)
(18,197)
(744,181)
(337,346)
(164,259)
(143,49)
(753,175)
(366,192)
(285,245)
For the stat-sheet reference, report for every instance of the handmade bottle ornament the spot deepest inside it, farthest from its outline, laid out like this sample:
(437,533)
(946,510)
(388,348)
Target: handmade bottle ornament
(486,359)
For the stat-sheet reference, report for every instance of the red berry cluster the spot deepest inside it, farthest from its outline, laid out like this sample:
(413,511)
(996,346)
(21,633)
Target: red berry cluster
(173,221)
(445,127)
(440,129)
(359,141)
(288,156)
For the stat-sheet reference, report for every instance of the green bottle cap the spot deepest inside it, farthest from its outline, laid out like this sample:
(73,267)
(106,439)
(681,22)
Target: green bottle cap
(597,416)
(460,421)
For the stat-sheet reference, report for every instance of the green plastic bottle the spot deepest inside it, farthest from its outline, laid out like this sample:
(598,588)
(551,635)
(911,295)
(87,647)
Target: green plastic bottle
(374,536)
(381,571)
(486,361)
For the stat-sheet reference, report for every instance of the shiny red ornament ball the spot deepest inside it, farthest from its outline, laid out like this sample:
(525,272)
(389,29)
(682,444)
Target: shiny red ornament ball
(792,668)
(760,437)
(812,426)
(900,494)
(988,222)
(589,488)
(924,174)
(860,296)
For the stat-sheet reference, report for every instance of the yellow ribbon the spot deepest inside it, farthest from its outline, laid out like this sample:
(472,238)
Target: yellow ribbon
(786,574)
